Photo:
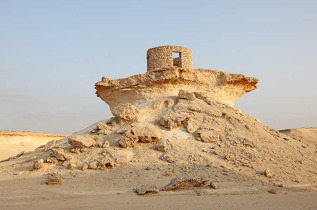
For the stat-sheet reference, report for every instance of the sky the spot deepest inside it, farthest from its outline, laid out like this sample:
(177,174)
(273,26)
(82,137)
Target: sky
(53,52)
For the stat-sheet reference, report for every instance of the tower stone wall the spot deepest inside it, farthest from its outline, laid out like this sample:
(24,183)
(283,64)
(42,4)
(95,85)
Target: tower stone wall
(162,57)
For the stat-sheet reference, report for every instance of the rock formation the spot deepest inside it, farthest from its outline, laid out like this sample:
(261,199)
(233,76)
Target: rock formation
(181,122)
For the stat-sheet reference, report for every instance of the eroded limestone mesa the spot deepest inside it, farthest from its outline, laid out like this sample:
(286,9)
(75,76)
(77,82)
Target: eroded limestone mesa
(142,88)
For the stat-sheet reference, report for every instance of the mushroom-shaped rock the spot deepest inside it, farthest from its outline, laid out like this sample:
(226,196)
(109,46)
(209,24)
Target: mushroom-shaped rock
(166,82)
(81,141)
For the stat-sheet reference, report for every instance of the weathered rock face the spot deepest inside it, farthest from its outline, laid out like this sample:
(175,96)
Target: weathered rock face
(142,88)
(146,133)
(208,136)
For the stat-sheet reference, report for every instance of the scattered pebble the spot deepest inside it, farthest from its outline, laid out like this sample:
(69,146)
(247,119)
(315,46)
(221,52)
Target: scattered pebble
(53,179)
(185,183)
(268,173)
(146,189)
(272,191)
(38,164)
(213,185)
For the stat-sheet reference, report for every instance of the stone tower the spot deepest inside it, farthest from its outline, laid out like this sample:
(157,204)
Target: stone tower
(169,56)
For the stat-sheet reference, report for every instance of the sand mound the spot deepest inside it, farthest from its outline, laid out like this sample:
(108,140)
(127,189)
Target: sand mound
(187,136)
(14,142)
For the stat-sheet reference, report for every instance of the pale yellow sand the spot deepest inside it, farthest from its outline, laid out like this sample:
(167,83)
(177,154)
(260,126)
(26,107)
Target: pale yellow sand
(25,192)
(13,142)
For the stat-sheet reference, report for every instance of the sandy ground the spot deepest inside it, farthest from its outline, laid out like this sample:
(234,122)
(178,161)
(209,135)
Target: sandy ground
(23,192)
(13,142)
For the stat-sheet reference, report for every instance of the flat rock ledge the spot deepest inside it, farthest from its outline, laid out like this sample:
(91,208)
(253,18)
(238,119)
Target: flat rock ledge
(138,89)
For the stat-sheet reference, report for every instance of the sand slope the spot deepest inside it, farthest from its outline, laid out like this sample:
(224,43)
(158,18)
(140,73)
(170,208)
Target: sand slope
(206,138)
(305,135)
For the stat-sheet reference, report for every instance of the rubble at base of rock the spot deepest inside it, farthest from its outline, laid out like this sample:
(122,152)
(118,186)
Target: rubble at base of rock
(81,141)
(145,189)
(52,160)
(185,183)
(84,167)
(38,164)
(146,132)
(128,140)
(72,166)
(50,145)
(162,146)
(59,154)
(268,173)
(213,185)
(168,157)
(53,179)
(272,191)
(172,121)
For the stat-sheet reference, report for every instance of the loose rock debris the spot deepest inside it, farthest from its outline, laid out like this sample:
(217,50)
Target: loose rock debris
(185,183)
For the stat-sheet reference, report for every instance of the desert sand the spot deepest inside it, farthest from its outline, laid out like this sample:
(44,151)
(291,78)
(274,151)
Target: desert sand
(25,192)
(14,142)
(113,189)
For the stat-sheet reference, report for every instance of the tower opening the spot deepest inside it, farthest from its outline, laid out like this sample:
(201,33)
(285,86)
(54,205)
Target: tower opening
(176,54)
(177,61)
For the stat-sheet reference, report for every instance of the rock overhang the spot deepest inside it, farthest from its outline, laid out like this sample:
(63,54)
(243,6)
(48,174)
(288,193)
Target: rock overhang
(166,82)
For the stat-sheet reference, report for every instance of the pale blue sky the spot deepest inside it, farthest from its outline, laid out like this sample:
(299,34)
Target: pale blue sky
(53,52)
